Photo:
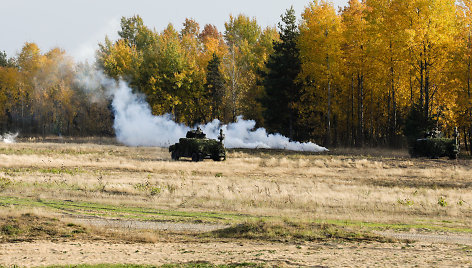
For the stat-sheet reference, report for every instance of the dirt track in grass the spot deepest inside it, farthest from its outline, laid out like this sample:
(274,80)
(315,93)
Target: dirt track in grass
(149,225)
(426,237)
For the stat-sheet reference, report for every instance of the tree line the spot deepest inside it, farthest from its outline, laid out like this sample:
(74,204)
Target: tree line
(365,75)
(40,95)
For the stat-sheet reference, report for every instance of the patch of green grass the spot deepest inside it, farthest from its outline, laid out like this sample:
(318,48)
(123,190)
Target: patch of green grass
(138,213)
(62,170)
(467,249)
(397,226)
(151,214)
(294,231)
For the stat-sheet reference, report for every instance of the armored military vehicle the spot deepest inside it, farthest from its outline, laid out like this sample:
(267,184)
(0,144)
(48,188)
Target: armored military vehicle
(434,145)
(198,147)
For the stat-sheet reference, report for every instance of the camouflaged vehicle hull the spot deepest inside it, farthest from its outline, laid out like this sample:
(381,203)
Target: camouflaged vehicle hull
(198,149)
(434,148)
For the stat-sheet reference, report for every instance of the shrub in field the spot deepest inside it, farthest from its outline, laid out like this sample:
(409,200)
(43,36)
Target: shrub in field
(9,229)
(154,190)
(4,183)
(148,188)
(405,202)
(442,201)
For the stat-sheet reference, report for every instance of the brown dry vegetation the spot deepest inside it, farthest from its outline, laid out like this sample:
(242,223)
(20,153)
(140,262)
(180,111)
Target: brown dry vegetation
(304,186)
(37,225)
(358,191)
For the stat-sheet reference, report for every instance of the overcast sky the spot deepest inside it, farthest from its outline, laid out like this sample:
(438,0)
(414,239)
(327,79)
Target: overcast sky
(79,25)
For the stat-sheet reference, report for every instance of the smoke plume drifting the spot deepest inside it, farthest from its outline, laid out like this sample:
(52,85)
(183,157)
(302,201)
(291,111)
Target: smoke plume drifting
(9,137)
(135,125)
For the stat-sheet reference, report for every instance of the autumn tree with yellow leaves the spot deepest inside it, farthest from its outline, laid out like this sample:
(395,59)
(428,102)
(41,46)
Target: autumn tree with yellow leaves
(368,74)
(320,54)
(390,57)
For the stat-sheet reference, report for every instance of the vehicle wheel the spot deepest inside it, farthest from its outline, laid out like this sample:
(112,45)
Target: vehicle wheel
(195,157)
(175,156)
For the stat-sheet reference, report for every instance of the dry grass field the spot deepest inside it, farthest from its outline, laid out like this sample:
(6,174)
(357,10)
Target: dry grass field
(297,209)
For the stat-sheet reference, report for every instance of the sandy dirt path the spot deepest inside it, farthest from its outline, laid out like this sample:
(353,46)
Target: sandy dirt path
(275,254)
(447,238)
(148,225)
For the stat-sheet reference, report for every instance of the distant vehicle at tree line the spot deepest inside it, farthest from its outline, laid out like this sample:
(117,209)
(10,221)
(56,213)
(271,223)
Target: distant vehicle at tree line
(434,145)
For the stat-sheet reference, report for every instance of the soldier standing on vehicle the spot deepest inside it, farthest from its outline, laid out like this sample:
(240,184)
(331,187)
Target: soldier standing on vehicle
(221,137)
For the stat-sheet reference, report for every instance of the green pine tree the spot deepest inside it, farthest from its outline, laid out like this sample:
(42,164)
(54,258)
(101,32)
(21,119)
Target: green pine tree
(280,80)
(215,86)
(3,59)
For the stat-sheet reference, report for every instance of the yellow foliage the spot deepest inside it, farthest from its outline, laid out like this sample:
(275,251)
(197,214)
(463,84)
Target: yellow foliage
(121,60)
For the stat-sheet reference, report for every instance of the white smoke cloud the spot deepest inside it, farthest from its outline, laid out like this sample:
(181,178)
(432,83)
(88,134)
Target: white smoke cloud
(93,83)
(135,125)
(9,137)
